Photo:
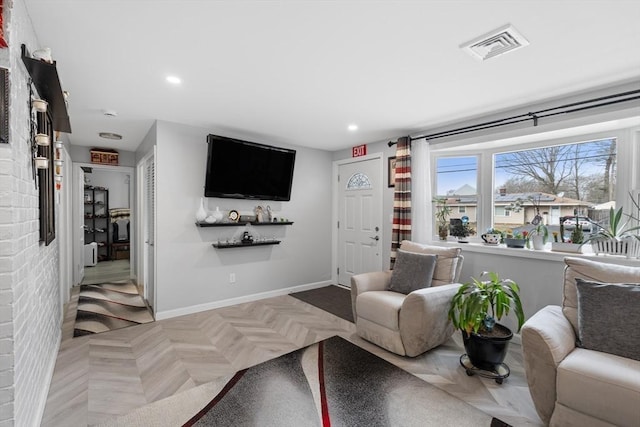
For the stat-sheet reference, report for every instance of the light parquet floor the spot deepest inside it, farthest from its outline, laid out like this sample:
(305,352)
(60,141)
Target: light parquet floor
(100,377)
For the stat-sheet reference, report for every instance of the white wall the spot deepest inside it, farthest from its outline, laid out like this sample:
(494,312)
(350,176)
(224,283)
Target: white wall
(29,271)
(190,272)
(116,182)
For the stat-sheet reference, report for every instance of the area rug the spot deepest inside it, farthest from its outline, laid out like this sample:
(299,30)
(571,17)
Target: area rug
(334,382)
(334,299)
(107,306)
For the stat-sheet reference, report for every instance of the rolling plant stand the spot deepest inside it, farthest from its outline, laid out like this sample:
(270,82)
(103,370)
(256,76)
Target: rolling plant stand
(501,372)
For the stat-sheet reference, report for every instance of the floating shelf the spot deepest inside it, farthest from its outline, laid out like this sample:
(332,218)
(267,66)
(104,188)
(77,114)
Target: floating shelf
(45,78)
(240,224)
(244,245)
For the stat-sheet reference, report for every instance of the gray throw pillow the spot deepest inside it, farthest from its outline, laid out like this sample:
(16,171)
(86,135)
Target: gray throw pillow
(412,271)
(608,317)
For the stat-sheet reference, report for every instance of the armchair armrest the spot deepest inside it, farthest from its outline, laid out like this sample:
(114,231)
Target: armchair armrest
(374,281)
(547,338)
(424,320)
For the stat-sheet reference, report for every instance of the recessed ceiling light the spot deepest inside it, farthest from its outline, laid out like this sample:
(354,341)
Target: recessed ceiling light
(110,135)
(352,127)
(174,80)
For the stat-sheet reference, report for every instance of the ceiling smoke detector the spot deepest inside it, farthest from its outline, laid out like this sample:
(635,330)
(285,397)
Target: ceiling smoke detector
(504,39)
(110,135)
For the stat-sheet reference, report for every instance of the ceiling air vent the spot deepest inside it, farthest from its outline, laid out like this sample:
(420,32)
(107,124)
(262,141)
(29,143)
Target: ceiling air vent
(504,39)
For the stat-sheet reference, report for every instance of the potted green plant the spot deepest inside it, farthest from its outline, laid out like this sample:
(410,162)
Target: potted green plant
(619,236)
(573,244)
(539,236)
(461,230)
(493,236)
(442,216)
(517,240)
(475,310)
(577,235)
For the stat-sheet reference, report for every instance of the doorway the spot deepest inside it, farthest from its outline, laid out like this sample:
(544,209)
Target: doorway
(103,204)
(359,215)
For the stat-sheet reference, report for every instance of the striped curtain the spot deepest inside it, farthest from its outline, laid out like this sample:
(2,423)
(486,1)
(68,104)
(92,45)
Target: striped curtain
(401,228)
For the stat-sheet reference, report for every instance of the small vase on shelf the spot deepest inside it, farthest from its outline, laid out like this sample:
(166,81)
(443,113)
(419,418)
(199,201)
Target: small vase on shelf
(201,213)
(217,214)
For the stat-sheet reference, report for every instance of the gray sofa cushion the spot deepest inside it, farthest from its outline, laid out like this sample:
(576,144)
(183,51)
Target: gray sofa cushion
(608,317)
(449,260)
(412,271)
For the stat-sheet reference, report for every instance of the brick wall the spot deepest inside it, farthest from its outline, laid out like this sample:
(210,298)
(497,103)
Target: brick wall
(29,278)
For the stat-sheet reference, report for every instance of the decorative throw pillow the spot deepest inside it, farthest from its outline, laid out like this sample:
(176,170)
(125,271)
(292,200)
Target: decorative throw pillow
(449,260)
(608,317)
(412,271)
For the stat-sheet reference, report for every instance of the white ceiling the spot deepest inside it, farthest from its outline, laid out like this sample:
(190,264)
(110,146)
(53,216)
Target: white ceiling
(299,72)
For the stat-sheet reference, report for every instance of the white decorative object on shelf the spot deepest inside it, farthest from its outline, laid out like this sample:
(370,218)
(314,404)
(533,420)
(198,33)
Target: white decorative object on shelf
(201,213)
(217,214)
(42,162)
(39,105)
(43,139)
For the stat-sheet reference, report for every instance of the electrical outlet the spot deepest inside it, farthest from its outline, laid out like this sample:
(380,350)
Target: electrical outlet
(232,278)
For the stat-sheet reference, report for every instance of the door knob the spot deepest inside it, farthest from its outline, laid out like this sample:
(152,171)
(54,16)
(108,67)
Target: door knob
(375,238)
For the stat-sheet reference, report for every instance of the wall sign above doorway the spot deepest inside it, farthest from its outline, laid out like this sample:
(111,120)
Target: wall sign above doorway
(358,151)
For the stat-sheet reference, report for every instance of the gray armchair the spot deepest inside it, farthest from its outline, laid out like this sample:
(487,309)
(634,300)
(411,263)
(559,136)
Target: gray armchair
(411,324)
(577,386)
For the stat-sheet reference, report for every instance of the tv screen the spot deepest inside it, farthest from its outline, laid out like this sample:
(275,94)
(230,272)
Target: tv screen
(239,169)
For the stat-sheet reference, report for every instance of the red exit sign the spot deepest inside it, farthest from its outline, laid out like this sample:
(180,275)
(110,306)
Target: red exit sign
(360,150)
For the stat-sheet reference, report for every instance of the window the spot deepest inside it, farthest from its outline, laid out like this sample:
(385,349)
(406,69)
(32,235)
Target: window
(358,181)
(565,180)
(515,181)
(457,182)
(501,211)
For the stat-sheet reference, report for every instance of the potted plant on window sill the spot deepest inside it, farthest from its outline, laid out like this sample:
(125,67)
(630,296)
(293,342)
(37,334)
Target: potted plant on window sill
(620,237)
(518,240)
(476,308)
(442,214)
(573,245)
(461,230)
(539,236)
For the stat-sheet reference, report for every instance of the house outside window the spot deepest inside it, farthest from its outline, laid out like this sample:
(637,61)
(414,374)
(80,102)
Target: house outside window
(462,209)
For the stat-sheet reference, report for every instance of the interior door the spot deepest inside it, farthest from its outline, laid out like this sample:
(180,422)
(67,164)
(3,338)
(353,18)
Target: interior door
(148,218)
(78,235)
(359,218)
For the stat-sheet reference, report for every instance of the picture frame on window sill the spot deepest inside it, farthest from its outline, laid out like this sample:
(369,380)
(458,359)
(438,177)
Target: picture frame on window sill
(391,172)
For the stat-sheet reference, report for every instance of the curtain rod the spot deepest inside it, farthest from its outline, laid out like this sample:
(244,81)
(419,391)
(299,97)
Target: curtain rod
(535,115)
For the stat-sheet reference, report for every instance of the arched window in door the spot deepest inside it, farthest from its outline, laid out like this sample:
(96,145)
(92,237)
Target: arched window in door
(358,181)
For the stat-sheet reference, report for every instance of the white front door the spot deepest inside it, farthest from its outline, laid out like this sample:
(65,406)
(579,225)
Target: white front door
(359,218)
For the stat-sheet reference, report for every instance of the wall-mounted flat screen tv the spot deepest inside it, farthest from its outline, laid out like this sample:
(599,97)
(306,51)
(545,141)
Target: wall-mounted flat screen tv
(239,169)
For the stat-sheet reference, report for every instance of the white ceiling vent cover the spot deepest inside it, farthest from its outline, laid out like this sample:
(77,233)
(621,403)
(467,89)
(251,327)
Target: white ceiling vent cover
(504,39)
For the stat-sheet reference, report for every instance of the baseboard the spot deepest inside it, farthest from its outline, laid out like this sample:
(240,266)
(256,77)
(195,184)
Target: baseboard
(238,300)
(44,391)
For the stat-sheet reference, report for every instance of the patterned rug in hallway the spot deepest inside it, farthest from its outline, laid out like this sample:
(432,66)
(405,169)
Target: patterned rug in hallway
(333,382)
(107,306)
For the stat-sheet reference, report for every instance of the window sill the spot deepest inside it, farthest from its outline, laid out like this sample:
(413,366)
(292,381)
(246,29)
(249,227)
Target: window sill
(546,254)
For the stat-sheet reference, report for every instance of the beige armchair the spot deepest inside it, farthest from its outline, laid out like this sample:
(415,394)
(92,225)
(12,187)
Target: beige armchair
(411,324)
(574,386)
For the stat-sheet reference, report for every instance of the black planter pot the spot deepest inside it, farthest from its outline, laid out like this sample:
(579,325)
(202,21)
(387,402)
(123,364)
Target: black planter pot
(487,352)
